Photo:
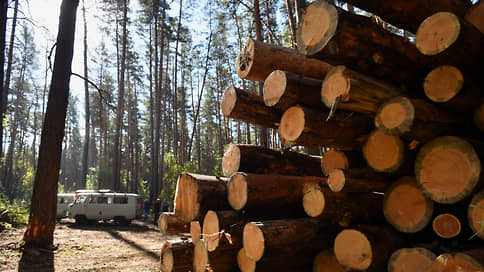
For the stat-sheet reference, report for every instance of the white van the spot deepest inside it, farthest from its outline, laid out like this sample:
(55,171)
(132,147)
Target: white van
(63,201)
(122,207)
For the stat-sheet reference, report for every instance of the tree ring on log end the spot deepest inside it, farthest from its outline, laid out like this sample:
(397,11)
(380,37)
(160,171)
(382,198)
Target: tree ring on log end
(245,59)
(313,199)
(231,159)
(200,257)
(353,249)
(479,117)
(292,124)
(229,100)
(326,261)
(253,241)
(274,87)
(237,191)
(167,260)
(336,180)
(475,214)
(382,152)
(395,116)
(415,259)
(443,83)
(437,33)
(210,230)
(186,201)
(405,207)
(446,225)
(195,231)
(447,169)
(333,159)
(335,84)
(245,263)
(457,262)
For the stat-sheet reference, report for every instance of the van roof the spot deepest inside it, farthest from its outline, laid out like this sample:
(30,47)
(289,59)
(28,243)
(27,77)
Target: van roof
(66,195)
(109,194)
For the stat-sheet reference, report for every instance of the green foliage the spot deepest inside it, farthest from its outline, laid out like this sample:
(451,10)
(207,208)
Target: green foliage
(16,215)
(170,176)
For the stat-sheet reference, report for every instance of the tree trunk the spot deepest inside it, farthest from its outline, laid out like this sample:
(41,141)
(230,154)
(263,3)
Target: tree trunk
(292,22)
(177,256)
(415,259)
(87,128)
(176,149)
(224,259)
(40,230)
(357,180)
(3,101)
(169,223)
(385,153)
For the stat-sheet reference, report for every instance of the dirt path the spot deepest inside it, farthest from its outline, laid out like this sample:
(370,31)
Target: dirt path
(98,247)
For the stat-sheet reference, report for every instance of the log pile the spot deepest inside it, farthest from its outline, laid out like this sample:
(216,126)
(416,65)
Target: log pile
(400,184)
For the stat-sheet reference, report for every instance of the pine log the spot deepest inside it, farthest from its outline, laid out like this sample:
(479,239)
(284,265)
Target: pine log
(340,38)
(366,247)
(469,261)
(257,60)
(176,256)
(475,214)
(415,119)
(195,231)
(446,225)
(169,223)
(447,169)
(216,224)
(475,14)
(405,207)
(447,86)
(260,160)
(479,117)
(284,89)
(358,92)
(415,259)
(303,126)
(339,181)
(408,15)
(384,153)
(339,159)
(326,261)
(343,209)
(224,259)
(196,194)
(245,263)
(249,107)
(268,194)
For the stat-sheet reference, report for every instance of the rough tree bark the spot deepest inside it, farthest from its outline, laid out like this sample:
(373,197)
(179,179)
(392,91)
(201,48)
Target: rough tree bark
(85,154)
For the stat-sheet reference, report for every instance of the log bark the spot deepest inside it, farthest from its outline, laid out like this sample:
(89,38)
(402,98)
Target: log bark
(196,194)
(474,16)
(339,159)
(224,259)
(257,60)
(169,223)
(471,260)
(284,89)
(357,92)
(475,214)
(259,160)
(405,207)
(479,117)
(216,224)
(249,107)
(446,225)
(326,261)
(176,256)
(303,126)
(447,169)
(357,180)
(415,259)
(384,153)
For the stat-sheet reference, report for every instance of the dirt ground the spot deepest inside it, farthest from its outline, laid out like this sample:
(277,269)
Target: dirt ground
(95,247)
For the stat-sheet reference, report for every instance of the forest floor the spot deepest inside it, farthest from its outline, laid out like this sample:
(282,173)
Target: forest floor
(94,247)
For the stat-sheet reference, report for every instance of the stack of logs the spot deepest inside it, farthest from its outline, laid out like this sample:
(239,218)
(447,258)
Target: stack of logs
(400,120)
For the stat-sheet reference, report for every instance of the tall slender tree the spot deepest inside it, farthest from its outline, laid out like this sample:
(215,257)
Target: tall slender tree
(87,128)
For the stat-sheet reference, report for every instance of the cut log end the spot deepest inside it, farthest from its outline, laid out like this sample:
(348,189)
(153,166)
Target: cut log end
(411,260)
(479,117)
(326,261)
(245,263)
(384,153)
(253,240)
(353,249)
(405,207)
(333,159)
(163,223)
(446,225)
(186,202)
(292,124)
(195,231)
(210,230)
(244,59)
(237,191)
(437,33)
(475,14)
(274,87)
(447,169)
(313,200)
(231,159)
(334,85)
(336,180)
(457,262)
(475,214)
(229,100)
(395,116)
(200,257)
(443,83)
(167,260)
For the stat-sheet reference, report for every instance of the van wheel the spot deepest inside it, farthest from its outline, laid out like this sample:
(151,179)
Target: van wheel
(81,220)
(121,220)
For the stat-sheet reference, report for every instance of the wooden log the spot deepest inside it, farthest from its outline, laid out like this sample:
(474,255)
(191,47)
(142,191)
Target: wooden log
(224,259)
(341,38)
(366,247)
(357,92)
(471,260)
(245,263)
(260,160)
(339,159)
(447,169)
(343,209)
(249,107)
(284,89)
(195,231)
(326,261)
(176,256)
(408,15)
(446,225)
(257,60)
(384,153)
(169,223)
(474,16)
(479,117)
(196,194)
(303,126)
(340,180)
(447,86)
(405,207)
(415,119)
(216,224)
(415,259)
(475,214)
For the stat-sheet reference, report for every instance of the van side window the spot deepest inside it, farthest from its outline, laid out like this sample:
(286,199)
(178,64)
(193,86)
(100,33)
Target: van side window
(102,200)
(93,199)
(110,200)
(120,200)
